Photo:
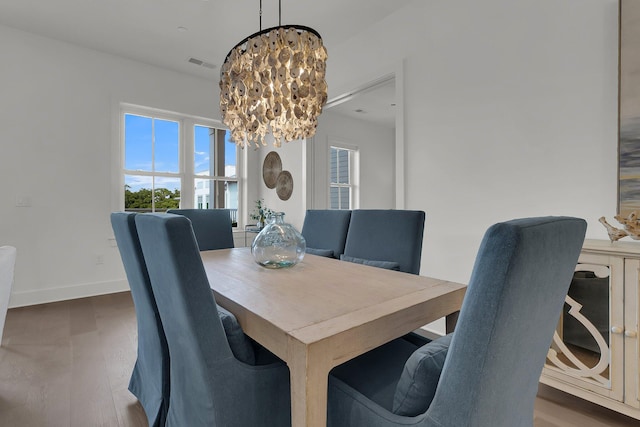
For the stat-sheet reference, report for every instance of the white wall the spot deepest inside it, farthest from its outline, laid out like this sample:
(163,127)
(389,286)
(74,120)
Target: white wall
(56,134)
(376,147)
(292,155)
(510,111)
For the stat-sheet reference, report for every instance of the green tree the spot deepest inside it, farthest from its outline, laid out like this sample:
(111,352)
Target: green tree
(141,200)
(166,199)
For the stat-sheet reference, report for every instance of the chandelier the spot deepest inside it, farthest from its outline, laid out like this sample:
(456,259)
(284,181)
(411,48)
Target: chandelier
(274,82)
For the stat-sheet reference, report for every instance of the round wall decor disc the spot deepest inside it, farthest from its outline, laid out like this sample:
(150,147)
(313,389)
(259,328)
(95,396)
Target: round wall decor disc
(271,168)
(284,185)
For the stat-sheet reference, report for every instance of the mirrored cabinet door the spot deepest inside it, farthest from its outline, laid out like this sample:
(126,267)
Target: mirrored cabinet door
(587,348)
(595,352)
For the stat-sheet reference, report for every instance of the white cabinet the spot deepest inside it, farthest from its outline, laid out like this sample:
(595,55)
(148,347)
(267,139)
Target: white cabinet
(244,238)
(240,239)
(595,353)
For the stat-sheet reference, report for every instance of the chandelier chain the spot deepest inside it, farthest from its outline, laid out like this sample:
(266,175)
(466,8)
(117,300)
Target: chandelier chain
(273,82)
(279,14)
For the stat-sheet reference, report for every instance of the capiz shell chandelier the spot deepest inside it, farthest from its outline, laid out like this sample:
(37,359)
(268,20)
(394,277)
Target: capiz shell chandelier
(274,82)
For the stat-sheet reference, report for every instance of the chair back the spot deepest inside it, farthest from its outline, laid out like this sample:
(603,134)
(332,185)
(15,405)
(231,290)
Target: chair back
(7,266)
(150,378)
(510,311)
(212,227)
(326,229)
(209,386)
(387,235)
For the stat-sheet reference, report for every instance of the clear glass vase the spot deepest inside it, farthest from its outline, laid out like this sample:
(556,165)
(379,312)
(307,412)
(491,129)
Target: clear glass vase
(278,245)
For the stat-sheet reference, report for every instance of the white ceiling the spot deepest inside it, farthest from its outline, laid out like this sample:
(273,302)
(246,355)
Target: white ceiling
(148,30)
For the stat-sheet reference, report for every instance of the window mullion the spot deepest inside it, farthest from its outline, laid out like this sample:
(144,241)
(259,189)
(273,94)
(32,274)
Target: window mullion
(153,164)
(213,169)
(187,150)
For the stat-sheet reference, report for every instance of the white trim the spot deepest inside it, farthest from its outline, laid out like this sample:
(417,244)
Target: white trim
(63,293)
(339,143)
(400,142)
(117,156)
(345,97)
(187,133)
(354,172)
(309,171)
(305,174)
(169,115)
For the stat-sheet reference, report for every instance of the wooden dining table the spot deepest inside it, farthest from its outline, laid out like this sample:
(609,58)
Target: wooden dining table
(323,312)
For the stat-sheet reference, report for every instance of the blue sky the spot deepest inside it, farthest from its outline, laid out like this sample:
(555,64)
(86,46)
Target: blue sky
(139,132)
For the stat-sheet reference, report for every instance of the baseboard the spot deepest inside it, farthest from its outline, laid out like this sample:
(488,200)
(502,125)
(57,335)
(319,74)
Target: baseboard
(428,333)
(43,296)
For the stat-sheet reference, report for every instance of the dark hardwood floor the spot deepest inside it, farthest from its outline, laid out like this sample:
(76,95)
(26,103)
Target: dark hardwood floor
(68,364)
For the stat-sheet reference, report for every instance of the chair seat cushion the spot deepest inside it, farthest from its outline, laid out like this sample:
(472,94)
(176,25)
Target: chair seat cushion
(328,253)
(365,375)
(420,376)
(389,265)
(240,344)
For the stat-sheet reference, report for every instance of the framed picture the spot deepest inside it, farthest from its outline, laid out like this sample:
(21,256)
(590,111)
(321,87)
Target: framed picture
(629,113)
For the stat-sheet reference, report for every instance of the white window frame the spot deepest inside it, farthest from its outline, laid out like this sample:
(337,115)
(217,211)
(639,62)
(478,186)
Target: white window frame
(186,172)
(354,173)
(213,179)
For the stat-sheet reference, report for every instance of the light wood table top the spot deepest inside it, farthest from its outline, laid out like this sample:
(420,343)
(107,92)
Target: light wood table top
(323,312)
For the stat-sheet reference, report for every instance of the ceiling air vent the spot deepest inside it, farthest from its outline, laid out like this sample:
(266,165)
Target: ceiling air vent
(201,63)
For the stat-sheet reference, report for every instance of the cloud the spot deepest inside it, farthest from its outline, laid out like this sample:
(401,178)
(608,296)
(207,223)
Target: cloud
(137,182)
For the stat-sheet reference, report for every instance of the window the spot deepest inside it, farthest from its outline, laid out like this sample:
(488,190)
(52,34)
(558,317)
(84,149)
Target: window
(175,161)
(152,179)
(342,186)
(215,166)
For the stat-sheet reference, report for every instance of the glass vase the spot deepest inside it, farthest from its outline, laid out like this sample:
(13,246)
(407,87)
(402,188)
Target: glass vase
(278,245)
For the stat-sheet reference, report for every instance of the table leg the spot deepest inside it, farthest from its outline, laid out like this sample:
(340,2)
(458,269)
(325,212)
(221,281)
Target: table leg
(451,321)
(309,380)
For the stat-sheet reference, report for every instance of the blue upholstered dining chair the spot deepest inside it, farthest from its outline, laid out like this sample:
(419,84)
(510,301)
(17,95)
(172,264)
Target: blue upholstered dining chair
(150,378)
(386,238)
(325,231)
(485,374)
(212,227)
(209,384)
